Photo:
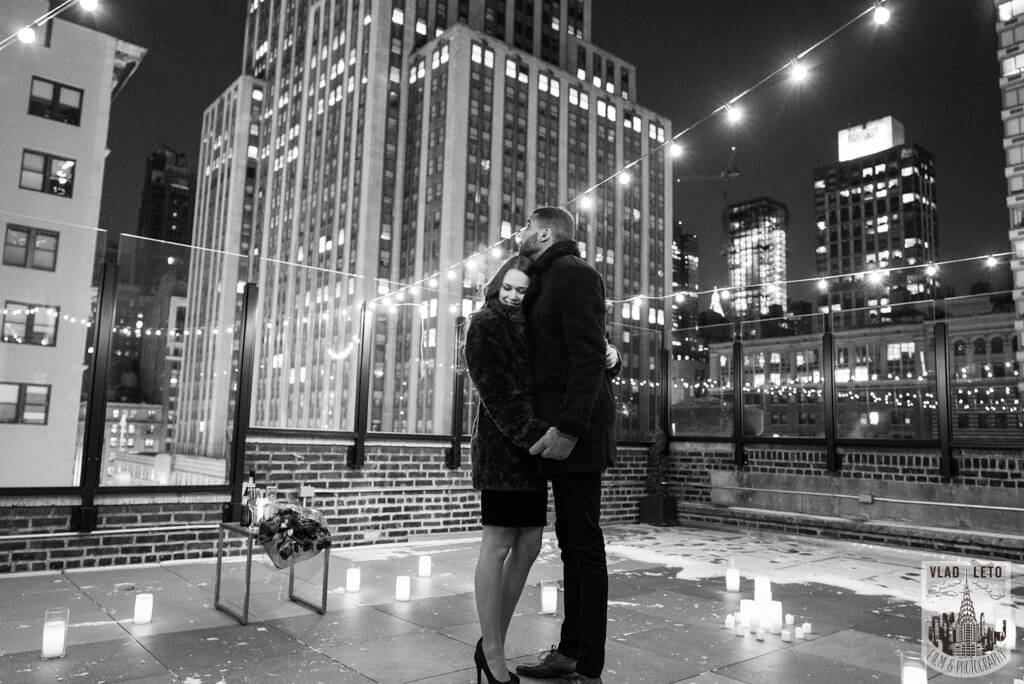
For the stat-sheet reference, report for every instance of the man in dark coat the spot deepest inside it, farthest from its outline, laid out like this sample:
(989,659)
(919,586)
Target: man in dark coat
(565,320)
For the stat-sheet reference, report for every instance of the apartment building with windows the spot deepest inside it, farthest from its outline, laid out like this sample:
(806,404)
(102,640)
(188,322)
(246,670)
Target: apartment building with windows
(1010,29)
(875,215)
(398,138)
(56,110)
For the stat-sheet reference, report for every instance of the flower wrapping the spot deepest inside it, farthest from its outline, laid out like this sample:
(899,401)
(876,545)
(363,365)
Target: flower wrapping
(291,533)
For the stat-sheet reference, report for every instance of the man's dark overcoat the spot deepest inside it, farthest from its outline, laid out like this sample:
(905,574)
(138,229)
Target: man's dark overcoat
(565,319)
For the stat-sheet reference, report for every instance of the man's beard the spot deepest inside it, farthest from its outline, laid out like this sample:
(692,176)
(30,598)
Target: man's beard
(529,246)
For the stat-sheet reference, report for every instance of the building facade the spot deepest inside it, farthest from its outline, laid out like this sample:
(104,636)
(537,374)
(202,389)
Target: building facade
(756,256)
(220,264)
(1010,29)
(400,138)
(56,111)
(876,216)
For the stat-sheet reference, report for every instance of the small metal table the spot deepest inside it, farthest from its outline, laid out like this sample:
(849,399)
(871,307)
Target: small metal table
(250,534)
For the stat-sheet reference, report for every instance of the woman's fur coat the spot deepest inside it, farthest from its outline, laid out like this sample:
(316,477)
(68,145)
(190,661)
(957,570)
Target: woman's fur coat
(496,355)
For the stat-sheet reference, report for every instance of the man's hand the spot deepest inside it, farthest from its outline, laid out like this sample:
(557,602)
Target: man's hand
(560,448)
(611,356)
(546,440)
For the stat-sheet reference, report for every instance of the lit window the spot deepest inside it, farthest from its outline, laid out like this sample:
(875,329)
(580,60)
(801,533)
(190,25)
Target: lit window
(29,324)
(52,100)
(47,173)
(510,68)
(476,53)
(397,16)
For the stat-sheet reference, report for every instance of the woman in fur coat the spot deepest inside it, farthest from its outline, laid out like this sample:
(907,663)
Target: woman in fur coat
(513,497)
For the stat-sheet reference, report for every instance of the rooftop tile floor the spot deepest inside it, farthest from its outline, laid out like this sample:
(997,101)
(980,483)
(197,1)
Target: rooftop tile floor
(667,608)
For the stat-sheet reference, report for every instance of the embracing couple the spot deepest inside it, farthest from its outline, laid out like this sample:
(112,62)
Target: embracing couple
(538,357)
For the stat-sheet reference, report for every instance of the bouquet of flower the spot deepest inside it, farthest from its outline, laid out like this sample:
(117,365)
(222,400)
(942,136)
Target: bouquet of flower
(290,533)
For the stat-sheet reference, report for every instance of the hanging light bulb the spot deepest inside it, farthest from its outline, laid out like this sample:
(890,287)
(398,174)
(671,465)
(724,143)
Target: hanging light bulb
(586,202)
(89,5)
(733,114)
(625,178)
(496,253)
(881,14)
(799,71)
(676,150)
(823,285)
(931,270)
(991,262)
(27,35)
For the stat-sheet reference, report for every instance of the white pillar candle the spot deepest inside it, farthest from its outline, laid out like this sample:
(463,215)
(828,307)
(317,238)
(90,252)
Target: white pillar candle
(799,632)
(741,629)
(55,630)
(787,635)
(143,609)
(762,589)
(770,613)
(790,619)
(760,634)
(807,628)
(748,610)
(732,579)
(730,621)
(548,598)
(424,569)
(352,580)
(403,587)
(912,669)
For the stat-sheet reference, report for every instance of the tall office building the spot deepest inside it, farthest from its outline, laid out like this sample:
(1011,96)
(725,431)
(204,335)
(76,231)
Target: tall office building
(756,256)
(219,266)
(875,211)
(685,274)
(55,112)
(1010,28)
(166,210)
(400,137)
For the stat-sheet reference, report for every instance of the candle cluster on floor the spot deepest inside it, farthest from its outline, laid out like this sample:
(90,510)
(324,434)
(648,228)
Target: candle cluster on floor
(761,615)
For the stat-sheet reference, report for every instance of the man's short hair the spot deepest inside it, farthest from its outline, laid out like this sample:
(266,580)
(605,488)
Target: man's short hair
(558,220)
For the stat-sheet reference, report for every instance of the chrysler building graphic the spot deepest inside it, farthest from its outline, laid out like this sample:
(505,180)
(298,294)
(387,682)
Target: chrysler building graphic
(970,640)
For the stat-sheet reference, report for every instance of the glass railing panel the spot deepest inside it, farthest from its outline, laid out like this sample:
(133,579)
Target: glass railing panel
(307,347)
(885,372)
(701,385)
(783,382)
(172,385)
(637,387)
(984,370)
(49,279)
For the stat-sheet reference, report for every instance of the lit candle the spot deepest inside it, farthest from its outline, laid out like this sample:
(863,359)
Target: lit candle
(770,613)
(787,635)
(748,609)
(762,589)
(424,569)
(807,628)
(799,632)
(760,634)
(732,579)
(730,621)
(790,619)
(403,586)
(352,580)
(548,598)
(912,669)
(741,629)
(55,629)
(143,609)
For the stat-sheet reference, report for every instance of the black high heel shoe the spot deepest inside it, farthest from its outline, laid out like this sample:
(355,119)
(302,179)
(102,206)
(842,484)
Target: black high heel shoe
(482,666)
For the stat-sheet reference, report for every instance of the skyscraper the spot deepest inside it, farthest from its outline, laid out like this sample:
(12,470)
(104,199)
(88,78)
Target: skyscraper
(685,273)
(400,137)
(1011,81)
(756,255)
(875,211)
(218,267)
(55,113)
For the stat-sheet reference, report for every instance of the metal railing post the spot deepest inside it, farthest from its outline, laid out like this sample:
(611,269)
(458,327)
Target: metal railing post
(947,466)
(740,454)
(243,401)
(453,454)
(833,459)
(83,518)
(357,452)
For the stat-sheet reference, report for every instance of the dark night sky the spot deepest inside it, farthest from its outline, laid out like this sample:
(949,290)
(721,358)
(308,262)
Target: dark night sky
(933,67)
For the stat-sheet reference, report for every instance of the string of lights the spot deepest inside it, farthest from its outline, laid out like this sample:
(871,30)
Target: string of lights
(27,34)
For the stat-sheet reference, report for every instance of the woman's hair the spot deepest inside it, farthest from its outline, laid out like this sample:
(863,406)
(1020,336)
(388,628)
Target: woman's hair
(493,286)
